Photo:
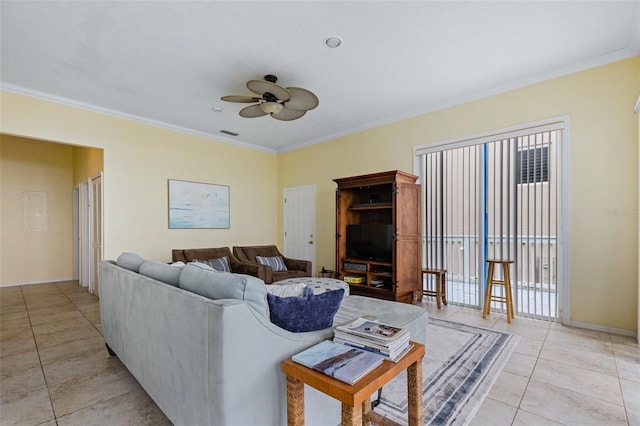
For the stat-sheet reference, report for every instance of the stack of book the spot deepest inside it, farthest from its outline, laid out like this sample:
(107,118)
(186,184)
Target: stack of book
(389,341)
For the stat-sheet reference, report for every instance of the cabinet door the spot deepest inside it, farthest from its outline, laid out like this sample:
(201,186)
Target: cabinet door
(407,253)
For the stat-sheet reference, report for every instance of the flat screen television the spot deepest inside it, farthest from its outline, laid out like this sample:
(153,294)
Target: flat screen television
(371,241)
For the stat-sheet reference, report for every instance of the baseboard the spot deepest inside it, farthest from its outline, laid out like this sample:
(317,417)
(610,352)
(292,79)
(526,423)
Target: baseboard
(54,280)
(603,328)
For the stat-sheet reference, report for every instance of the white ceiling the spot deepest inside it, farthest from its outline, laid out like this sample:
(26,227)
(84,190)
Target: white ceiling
(169,62)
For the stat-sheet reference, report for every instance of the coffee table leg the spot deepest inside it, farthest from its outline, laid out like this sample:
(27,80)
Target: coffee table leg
(295,402)
(414,392)
(351,416)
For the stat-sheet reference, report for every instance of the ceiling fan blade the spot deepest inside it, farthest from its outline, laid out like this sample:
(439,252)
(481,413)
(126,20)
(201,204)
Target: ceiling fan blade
(301,99)
(252,111)
(261,87)
(241,99)
(288,114)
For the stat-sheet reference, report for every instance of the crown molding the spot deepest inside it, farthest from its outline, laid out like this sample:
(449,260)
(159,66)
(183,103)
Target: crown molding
(118,114)
(616,56)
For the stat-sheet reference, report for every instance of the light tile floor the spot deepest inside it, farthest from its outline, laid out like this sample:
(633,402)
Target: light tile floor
(54,368)
(557,374)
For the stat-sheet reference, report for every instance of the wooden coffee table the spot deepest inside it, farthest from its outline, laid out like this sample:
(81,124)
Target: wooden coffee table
(356,398)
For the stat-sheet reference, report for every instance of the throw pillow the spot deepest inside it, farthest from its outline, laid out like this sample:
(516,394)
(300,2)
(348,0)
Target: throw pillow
(220,264)
(276,262)
(304,313)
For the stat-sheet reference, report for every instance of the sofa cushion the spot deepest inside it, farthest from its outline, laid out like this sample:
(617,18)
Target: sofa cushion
(198,278)
(130,261)
(220,264)
(161,271)
(305,313)
(276,262)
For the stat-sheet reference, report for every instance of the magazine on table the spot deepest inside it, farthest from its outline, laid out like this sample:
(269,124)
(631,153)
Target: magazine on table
(391,356)
(364,341)
(342,362)
(372,330)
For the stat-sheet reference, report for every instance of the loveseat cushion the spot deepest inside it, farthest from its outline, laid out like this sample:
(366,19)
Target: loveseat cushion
(130,261)
(225,285)
(305,313)
(157,270)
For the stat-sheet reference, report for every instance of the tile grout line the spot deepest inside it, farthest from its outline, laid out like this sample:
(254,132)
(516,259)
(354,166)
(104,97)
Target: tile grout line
(78,309)
(44,376)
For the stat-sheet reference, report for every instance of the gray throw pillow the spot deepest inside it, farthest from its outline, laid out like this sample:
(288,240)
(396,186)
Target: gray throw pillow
(276,262)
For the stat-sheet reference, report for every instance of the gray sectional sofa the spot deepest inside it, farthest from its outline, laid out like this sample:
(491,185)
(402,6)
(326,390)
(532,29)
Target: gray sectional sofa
(215,360)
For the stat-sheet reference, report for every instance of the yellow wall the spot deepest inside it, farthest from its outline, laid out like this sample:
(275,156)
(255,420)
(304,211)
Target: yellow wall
(87,163)
(603,174)
(138,161)
(29,165)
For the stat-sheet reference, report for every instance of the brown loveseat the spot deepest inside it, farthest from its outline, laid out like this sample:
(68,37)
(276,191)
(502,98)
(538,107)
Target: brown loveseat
(295,267)
(237,266)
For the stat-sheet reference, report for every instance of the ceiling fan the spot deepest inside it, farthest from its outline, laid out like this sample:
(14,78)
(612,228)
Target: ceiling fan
(281,103)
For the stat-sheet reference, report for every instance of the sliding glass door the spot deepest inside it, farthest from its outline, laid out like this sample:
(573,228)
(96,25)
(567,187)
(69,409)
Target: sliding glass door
(495,198)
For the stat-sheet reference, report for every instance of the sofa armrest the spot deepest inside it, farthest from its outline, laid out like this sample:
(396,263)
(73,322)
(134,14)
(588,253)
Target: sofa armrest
(298,265)
(177,255)
(254,269)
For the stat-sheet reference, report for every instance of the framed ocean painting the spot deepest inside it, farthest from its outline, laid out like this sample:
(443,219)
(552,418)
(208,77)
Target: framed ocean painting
(195,205)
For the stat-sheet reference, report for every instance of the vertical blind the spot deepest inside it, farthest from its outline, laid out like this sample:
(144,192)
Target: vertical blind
(495,199)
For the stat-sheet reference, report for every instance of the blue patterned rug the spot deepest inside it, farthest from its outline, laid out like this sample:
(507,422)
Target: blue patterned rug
(460,365)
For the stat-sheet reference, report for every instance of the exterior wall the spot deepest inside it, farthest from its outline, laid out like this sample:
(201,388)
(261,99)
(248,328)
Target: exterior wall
(138,161)
(603,149)
(35,256)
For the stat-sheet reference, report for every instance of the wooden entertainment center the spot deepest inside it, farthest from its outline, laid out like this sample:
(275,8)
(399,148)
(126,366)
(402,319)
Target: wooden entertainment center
(387,198)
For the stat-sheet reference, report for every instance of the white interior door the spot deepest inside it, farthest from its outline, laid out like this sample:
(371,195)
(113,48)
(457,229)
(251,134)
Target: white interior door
(299,214)
(84,234)
(90,232)
(96,232)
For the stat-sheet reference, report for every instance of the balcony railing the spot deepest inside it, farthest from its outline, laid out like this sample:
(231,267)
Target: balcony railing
(534,274)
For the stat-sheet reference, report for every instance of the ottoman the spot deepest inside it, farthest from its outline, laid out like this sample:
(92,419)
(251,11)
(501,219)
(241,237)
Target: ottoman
(319,285)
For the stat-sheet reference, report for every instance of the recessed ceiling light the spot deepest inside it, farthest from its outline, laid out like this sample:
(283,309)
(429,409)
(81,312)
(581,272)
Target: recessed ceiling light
(333,42)
(217,109)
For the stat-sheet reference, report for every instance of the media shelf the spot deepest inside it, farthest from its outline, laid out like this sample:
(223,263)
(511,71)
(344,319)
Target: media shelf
(391,199)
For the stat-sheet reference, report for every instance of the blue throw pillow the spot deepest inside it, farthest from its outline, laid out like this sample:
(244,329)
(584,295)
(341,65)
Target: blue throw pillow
(305,313)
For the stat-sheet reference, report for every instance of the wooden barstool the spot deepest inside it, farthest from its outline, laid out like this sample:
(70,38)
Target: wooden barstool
(506,282)
(440,292)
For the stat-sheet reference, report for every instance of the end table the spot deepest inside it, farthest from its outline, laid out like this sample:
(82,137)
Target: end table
(356,398)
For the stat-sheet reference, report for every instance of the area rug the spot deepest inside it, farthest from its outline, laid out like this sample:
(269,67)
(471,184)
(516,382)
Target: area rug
(460,365)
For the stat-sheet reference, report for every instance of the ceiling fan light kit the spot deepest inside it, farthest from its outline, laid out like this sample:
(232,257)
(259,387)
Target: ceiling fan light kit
(281,103)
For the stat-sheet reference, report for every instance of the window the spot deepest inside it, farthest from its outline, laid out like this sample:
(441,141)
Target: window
(534,165)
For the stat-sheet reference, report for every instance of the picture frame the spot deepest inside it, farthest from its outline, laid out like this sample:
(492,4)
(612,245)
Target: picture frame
(197,205)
